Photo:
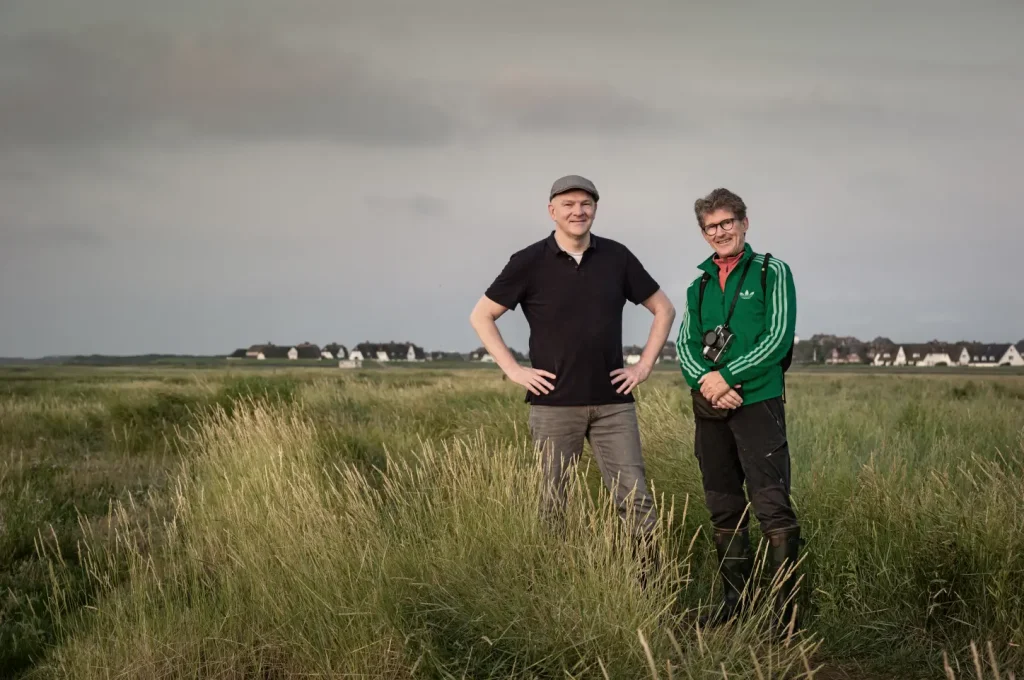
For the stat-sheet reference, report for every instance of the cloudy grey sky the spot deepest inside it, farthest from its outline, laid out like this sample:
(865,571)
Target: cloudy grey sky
(205,174)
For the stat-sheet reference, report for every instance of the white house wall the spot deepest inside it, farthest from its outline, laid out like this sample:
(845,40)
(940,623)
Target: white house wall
(1012,357)
(935,360)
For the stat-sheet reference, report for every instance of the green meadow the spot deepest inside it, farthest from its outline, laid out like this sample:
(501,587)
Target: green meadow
(282,522)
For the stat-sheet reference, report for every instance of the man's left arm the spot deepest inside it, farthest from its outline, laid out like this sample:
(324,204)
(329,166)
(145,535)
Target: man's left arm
(664,316)
(641,288)
(780,313)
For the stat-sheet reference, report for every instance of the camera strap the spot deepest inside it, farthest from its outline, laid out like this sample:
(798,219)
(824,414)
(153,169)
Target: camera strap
(704,282)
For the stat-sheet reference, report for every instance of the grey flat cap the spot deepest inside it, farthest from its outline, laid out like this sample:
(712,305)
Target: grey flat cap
(571,183)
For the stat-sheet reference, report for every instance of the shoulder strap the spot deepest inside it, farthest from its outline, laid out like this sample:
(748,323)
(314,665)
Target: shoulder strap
(739,286)
(700,297)
(704,282)
(764,272)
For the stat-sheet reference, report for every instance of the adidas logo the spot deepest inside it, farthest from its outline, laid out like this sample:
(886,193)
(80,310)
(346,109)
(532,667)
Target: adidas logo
(747,294)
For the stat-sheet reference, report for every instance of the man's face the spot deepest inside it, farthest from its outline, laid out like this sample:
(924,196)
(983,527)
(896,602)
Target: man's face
(573,212)
(724,232)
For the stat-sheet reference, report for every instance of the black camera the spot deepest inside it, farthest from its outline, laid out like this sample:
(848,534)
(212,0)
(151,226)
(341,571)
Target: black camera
(716,342)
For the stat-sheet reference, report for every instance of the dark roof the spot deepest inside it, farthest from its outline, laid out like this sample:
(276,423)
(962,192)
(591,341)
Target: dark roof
(447,356)
(516,354)
(930,348)
(394,350)
(336,350)
(979,349)
(275,351)
(238,353)
(308,350)
(953,349)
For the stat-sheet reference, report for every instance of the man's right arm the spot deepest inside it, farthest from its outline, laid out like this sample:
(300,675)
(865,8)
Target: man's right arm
(507,290)
(484,321)
(688,341)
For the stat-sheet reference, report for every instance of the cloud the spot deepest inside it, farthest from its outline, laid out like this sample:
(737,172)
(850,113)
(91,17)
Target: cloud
(122,83)
(419,205)
(52,236)
(534,102)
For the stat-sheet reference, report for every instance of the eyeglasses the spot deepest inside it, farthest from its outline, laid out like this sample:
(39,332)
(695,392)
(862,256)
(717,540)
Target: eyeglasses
(727,224)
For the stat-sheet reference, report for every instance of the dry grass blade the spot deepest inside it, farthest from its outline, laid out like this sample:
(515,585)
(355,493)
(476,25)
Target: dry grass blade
(809,674)
(675,645)
(757,665)
(647,653)
(977,661)
(992,660)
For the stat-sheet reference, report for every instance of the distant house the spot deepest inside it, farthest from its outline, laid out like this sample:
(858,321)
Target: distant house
(334,351)
(924,354)
(255,351)
(995,355)
(668,353)
(631,354)
(271,351)
(881,357)
(843,355)
(307,350)
(388,351)
(445,356)
(278,352)
(955,354)
(481,354)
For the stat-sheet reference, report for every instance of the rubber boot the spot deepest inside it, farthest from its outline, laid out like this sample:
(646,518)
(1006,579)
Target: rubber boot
(783,551)
(735,564)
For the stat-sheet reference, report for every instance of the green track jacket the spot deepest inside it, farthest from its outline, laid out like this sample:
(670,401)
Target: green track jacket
(764,323)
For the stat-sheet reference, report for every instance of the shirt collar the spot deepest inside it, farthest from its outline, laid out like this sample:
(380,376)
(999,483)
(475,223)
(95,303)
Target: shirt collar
(710,265)
(557,249)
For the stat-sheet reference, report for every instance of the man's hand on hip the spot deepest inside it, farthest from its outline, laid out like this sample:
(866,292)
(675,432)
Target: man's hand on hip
(630,377)
(532,379)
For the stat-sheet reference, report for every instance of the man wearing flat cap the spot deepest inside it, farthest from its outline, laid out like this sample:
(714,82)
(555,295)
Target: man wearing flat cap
(573,286)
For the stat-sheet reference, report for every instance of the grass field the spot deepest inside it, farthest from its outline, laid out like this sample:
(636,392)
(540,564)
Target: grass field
(168,522)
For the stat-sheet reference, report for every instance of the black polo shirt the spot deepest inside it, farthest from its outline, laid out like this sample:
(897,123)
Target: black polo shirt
(575,314)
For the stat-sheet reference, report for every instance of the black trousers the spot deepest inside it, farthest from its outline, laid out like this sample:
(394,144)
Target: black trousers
(749,445)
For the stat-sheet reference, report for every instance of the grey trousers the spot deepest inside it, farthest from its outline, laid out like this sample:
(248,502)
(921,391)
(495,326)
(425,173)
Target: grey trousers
(614,436)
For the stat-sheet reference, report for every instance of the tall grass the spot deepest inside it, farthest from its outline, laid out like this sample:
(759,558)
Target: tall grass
(273,568)
(384,524)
